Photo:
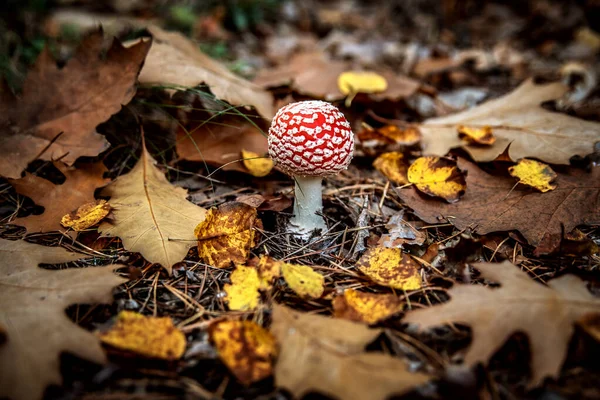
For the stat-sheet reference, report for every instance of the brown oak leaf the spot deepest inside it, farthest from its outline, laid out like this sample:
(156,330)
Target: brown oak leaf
(545,313)
(492,204)
(57,114)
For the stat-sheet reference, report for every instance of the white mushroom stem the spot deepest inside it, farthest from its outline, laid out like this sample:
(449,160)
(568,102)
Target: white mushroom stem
(309,201)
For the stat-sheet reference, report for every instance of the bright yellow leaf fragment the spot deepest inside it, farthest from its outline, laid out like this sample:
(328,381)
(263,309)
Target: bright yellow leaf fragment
(438,176)
(352,82)
(147,336)
(477,135)
(366,307)
(256,164)
(535,174)
(86,215)
(242,294)
(389,267)
(227,234)
(393,166)
(303,280)
(245,348)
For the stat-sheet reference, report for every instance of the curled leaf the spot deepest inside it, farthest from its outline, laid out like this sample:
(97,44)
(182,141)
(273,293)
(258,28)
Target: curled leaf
(438,176)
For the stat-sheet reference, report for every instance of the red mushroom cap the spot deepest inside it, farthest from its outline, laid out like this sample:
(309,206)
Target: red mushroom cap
(311,138)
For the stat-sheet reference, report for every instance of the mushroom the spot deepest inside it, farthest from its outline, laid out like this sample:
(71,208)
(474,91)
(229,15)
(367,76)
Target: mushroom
(309,140)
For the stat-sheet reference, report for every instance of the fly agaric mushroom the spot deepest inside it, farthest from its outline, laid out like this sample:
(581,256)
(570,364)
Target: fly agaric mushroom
(310,140)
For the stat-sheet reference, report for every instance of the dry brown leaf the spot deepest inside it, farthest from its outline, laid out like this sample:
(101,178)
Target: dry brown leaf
(176,60)
(520,304)
(58,200)
(516,119)
(150,215)
(493,204)
(67,104)
(312,74)
(32,311)
(328,355)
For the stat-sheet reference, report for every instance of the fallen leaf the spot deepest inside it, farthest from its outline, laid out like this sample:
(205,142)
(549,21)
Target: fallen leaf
(314,75)
(303,280)
(227,234)
(269,269)
(492,204)
(393,166)
(366,307)
(520,304)
(437,176)
(176,60)
(150,215)
(405,136)
(480,135)
(58,200)
(32,313)
(352,82)
(57,114)
(245,348)
(328,356)
(86,216)
(535,174)
(242,294)
(258,165)
(389,267)
(401,232)
(516,119)
(151,337)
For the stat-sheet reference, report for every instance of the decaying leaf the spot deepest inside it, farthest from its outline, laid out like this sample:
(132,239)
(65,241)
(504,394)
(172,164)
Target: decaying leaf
(366,307)
(520,304)
(492,204)
(58,200)
(86,216)
(57,114)
(245,348)
(269,269)
(151,337)
(389,267)
(328,355)
(437,176)
(303,280)
(535,174)
(519,120)
(227,234)
(258,165)
(393,166)
(405,136)
(479,135)
(352,82)
(150,215)
(401,232)
(242,294)
(32,313)
(176,60)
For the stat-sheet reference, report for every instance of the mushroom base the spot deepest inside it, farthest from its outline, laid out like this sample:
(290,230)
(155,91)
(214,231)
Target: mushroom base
(309,201)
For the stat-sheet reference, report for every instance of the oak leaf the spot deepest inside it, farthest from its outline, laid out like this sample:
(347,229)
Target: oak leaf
(545,313)
(58,200)
(491,204)
(516,119)
(321,354)
(32,313)
(150,215)
(57,114)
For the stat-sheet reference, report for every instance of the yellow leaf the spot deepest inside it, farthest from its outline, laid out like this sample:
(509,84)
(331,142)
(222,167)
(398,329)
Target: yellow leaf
(392,166)
(535,174)
(227,234)
(361,82)
(407,137)
(242,294)
(303,280)
(268,270)
(366,307)
(480,136)
(245,348)
(86,215)
(147,336)
(438,176)
(257,166)
(389,267)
